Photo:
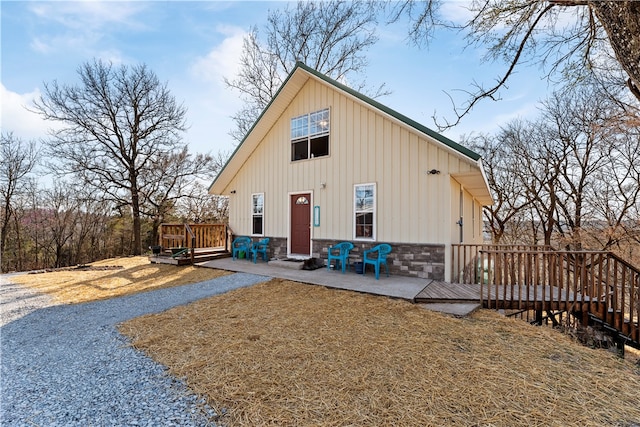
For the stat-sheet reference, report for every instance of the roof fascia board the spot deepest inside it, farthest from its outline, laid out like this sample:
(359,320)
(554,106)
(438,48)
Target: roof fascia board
(486,181)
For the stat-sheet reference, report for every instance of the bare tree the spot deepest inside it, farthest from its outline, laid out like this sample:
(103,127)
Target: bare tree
(576,166)
(330,36)
(200,206)
(539,163)
(203,207)
(574,37)
(522,166)
(505,217)
(89,240)
(61,224)
(17,160)
(33,222)
(621,22)
(579,125)
(616,203)
(117,122)
(174,176)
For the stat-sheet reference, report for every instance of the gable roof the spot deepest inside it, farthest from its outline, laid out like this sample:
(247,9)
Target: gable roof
(300,74)
(404,119)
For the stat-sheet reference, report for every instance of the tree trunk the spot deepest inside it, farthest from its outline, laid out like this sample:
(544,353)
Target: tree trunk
(19,259)
(157,220)
(137,238)
(5,228)
(621,21)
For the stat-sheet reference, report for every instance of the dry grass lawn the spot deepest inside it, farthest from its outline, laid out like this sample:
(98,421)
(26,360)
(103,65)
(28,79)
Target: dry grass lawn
(137,275)
(288,354)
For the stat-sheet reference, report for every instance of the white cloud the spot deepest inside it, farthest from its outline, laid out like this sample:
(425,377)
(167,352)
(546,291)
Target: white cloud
(210,102)
(224,59)
(81,25)
(18,119)
(113,56)
(62,43)
(93,15)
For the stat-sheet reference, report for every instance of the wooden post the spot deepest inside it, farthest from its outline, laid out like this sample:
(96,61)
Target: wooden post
(538,317)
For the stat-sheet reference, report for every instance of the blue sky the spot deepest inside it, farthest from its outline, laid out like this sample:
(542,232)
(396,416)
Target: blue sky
(193,45)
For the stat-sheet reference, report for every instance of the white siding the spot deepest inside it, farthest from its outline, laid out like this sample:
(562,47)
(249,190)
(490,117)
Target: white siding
(365,146)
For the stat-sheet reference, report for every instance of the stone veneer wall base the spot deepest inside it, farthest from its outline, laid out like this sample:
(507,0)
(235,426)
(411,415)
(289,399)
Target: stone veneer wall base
(426,261)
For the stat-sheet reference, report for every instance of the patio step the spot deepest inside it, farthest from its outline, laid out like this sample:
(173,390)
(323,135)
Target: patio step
(454,309)
(293,264)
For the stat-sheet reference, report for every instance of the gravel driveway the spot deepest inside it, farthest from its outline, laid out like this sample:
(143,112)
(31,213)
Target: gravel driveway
(67,365)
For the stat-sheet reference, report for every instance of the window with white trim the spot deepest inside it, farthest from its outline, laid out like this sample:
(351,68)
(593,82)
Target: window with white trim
(364,211)
(257,214)
(310,135)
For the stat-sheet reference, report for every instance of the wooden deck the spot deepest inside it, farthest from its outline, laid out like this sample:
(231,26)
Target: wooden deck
(536,300)
(595,287)
(443,292)
(518,298)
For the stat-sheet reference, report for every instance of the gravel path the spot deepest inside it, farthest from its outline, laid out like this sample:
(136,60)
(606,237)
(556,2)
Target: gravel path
(67,365)
(17,301)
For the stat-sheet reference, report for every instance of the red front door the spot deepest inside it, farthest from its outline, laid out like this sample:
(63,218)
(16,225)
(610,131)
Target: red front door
(300,224)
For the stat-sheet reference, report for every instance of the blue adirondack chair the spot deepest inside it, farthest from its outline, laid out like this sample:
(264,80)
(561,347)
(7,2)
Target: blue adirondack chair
(260,248)
(240,244)
(377,256)
(339,252)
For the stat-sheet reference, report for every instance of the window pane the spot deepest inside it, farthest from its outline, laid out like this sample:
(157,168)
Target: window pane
(299,127)
(320,146)
(364,205)
(364,224)
(319,122)
(258,204)
(257,225)
(364,198)
(299,150)
(310,135)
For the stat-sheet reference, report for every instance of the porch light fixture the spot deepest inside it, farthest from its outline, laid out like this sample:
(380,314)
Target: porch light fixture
(433,172)
(323,184)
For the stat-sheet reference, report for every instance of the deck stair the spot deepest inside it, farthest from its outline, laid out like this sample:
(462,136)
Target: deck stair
(618,337)
(597,288)
(184,258)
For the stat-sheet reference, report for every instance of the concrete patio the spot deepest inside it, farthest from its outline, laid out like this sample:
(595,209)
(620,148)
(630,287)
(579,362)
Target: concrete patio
(394,286)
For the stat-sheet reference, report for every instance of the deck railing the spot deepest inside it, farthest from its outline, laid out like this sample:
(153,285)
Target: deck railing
(467,266)
(193,236)
(586,282)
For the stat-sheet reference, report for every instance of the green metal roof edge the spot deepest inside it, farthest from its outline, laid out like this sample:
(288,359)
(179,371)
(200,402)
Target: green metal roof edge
(406,120)
(257,121)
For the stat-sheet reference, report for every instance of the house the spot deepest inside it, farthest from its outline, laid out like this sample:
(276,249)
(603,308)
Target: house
(324,164)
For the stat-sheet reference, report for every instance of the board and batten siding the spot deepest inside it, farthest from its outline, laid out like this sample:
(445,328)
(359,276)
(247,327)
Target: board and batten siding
(365,146)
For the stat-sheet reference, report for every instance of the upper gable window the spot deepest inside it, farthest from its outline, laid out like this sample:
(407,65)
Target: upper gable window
(310,135)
